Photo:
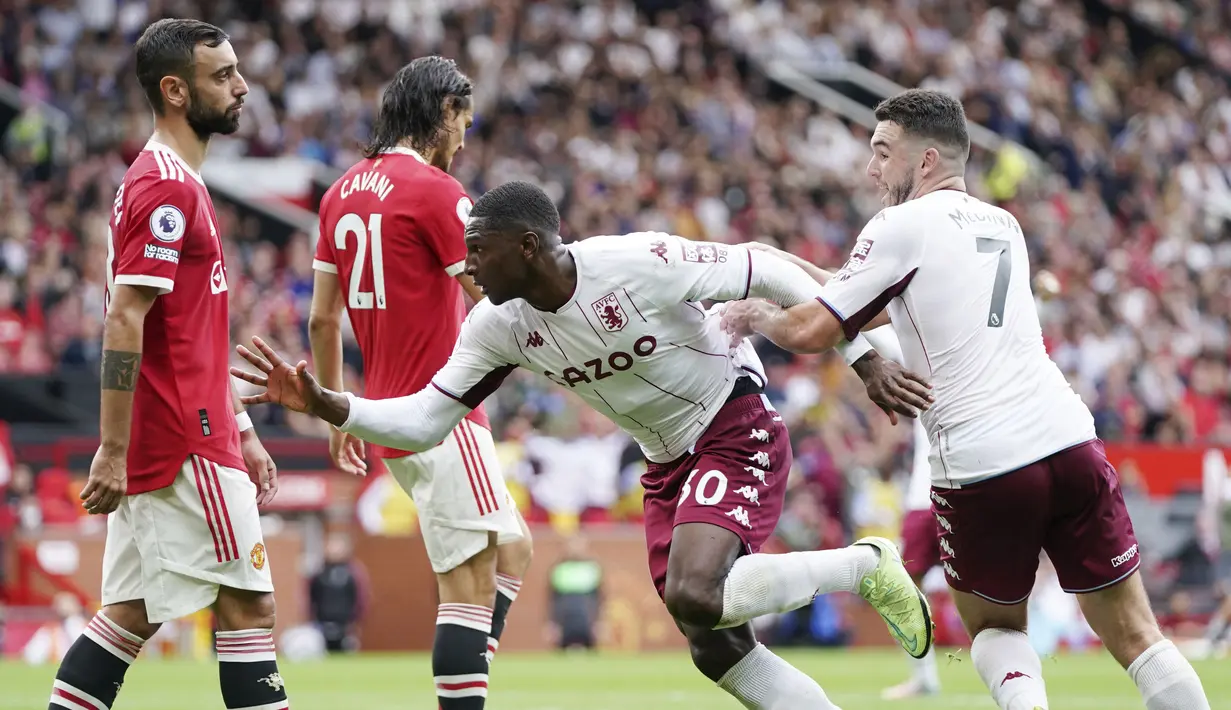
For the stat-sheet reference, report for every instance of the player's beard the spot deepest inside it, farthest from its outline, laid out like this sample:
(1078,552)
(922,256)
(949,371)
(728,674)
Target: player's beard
(901,192)
(206,121)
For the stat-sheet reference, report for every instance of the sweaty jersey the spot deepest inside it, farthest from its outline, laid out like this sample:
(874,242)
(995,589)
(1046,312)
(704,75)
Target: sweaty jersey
(392,229)
(163,234)
(955,275)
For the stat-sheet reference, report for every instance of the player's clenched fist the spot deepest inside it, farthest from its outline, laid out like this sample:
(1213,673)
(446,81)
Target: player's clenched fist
(107,484)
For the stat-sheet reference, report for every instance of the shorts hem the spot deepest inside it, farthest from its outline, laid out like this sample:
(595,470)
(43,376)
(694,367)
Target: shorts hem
(1107,585)
(223,580)
(990,599)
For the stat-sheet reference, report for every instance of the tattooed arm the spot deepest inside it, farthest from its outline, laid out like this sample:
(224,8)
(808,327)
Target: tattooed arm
(122,334)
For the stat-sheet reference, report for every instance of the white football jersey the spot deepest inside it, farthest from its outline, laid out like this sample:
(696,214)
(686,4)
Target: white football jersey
(632,341)
(955,275)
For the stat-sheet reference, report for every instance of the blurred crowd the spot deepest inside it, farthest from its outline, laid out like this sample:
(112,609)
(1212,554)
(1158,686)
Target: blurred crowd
(638,116)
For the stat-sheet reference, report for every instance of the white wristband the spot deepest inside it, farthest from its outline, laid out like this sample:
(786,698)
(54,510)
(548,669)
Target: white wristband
(244,421)
(855,349)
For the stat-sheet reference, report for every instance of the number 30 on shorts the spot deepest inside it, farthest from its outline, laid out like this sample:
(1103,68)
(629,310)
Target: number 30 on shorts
(715,480)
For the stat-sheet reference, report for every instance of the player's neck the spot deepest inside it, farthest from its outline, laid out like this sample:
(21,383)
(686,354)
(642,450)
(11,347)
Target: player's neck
(555,283)
(183,141)
(953,182)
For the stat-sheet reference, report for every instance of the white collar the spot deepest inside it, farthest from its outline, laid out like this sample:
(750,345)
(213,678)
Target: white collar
(168,151)
(406,151)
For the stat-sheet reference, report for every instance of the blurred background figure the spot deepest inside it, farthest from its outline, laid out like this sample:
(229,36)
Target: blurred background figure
(54,638)
(576,596)
(337,595)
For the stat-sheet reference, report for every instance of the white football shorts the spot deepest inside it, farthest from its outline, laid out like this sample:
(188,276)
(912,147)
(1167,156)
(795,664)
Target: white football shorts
(174,547)
(460,496)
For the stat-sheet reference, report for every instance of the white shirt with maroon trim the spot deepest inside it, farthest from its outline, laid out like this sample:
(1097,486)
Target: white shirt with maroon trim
(954,274)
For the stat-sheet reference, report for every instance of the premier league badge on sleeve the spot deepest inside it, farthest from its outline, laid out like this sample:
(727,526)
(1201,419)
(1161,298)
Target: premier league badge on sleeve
(167,223)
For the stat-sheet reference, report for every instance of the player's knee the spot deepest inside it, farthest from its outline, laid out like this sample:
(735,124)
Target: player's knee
(693,603)
(131,617)
(515,557)
(238,610)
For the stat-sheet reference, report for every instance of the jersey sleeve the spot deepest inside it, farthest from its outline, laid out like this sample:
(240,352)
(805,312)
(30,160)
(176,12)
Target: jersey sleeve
(151,228)
(881,266)
(324,259)
(670,269)
(478,364)
(422,420)
(444,216)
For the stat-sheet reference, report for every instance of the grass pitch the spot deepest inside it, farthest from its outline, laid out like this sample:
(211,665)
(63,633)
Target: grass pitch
(852,679)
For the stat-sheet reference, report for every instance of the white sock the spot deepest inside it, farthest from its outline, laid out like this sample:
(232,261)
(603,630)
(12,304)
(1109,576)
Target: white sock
(925,671)
(1010,669)
(771,584)
(1167,680)
(763,681)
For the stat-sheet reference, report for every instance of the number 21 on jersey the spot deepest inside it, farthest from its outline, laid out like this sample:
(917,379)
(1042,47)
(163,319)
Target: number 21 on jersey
(367,241)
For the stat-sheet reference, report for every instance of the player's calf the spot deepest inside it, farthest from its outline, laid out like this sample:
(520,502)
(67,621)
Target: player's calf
(463,629)
(247,662)
(512,561)
(1122,618)
(93,670)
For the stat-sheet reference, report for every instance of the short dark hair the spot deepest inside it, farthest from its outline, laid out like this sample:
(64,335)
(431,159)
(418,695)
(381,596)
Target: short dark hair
(413,105)
(928,114)
(166,49)
(518,206)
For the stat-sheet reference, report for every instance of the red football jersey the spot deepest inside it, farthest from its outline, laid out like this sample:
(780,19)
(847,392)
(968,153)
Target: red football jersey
(163,234)
(392,228)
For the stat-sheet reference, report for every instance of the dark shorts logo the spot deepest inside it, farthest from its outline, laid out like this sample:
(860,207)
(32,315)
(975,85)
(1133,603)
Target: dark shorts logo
(609,313)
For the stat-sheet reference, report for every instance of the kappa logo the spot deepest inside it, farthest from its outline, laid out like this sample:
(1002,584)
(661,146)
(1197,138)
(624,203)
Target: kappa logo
(741,516)
(758,473)
(944,523)
(759,435)
(750,493)
(939,500)
(1013,675)
(217,278)
(760,458)
(659,249)
(1127,555)
(946,547)
(950,571)
(609,313)
(534,340)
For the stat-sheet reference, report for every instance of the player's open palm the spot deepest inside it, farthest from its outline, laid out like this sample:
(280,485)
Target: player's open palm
(894,389)
(292,387)
(107,484)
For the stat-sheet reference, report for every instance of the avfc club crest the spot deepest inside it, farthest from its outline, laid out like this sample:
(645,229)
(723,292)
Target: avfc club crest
(609,313)
(167,223)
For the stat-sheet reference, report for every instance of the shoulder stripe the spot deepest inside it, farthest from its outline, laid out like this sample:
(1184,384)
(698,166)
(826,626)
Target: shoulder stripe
(162,168)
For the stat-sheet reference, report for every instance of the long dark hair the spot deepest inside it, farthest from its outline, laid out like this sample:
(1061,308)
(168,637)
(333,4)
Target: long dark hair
(417,102)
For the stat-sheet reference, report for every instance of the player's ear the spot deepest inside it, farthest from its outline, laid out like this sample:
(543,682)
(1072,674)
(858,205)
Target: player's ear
(529,244)
(174,91)
(931,158)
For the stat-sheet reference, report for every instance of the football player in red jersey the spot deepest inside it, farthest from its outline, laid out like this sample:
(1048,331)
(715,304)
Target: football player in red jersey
(176,449)
(391,254)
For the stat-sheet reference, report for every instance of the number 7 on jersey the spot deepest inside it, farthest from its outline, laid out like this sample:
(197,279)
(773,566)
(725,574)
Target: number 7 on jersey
(1004,269)
(364,233)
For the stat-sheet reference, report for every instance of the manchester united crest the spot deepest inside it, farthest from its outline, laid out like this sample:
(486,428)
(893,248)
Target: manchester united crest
(257,556)
(609,313)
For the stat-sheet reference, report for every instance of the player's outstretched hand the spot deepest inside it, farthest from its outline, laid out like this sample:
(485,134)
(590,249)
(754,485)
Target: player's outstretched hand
(893,388)
(347,453)
(292,387)
(107,484)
